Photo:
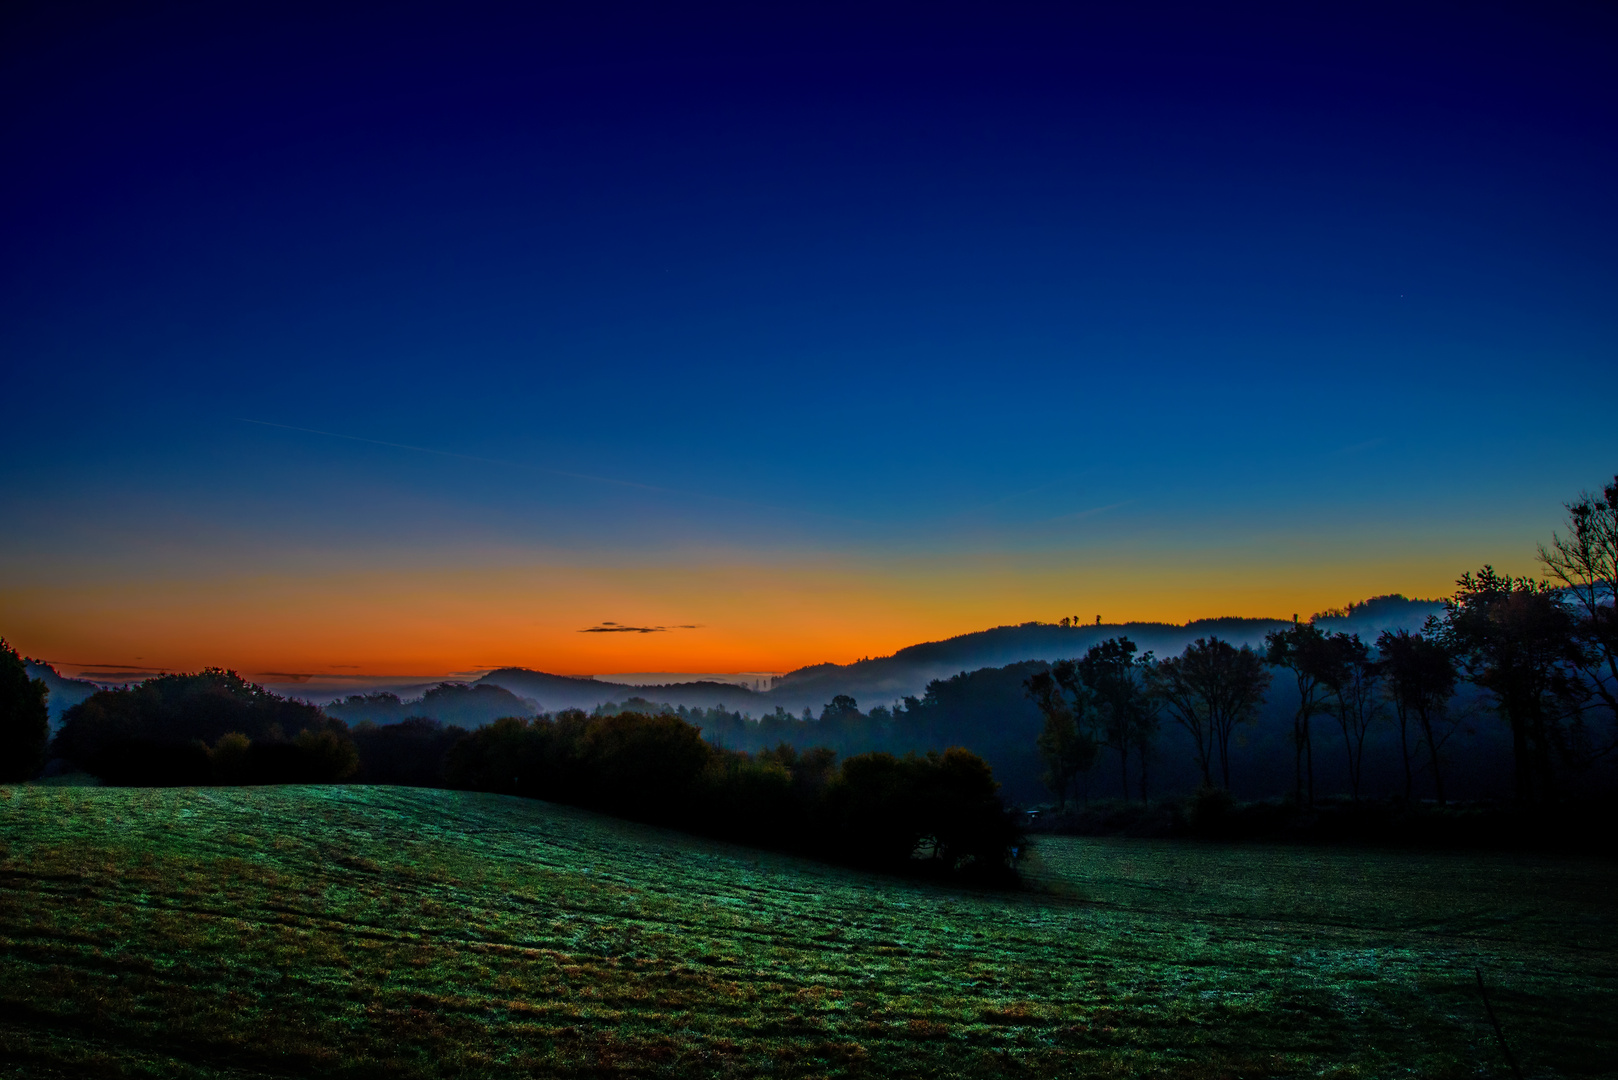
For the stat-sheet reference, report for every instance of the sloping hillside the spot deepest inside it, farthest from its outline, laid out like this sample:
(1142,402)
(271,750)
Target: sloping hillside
(882,680)
(413,933)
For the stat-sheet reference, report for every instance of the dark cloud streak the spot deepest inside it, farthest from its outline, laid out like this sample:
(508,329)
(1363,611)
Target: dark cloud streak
(619,628)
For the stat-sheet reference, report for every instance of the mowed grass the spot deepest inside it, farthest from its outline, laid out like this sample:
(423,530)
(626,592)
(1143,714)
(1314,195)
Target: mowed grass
(395,932)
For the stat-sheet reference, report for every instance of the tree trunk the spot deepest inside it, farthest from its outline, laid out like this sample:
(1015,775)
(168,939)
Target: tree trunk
(1297,759)
(1519,753)
(1348,747)
(1309,754)
(1438,779)
(1432,755)
(1205,757)
(1404,748)
(1542,758)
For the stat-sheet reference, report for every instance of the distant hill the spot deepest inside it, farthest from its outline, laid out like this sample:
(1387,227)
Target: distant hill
(553,692)
(881,680)
(449,703)
(1370,617)
(64,692)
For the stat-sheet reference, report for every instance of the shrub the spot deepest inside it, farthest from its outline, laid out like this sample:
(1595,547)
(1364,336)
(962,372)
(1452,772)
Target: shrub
(328,757)
(940,813)
(229,758)
(641,764)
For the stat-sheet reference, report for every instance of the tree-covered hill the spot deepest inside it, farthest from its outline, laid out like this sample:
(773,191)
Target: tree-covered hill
(883,680)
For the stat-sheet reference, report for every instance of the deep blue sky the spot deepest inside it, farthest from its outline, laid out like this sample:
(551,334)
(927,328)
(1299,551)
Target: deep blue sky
(1090,299)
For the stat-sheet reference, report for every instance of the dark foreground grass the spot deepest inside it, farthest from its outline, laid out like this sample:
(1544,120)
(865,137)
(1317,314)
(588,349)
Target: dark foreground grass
(395,932)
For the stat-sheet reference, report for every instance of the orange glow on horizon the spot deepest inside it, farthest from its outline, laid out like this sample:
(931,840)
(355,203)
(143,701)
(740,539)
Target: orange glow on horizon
(751,616)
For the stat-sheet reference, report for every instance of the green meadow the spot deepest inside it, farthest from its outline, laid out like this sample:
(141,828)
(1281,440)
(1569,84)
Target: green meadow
(355,931)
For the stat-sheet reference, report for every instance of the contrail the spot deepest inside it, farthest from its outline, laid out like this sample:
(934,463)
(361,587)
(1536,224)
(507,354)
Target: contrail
(552,472)
(464,457)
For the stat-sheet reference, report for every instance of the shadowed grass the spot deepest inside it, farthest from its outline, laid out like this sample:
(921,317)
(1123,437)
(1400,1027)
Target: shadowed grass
(401,932)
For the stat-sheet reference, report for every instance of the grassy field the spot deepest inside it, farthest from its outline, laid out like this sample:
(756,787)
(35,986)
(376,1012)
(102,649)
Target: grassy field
(395,932)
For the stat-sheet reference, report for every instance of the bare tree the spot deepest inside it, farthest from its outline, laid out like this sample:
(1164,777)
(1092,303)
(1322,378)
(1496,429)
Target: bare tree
(1585,562)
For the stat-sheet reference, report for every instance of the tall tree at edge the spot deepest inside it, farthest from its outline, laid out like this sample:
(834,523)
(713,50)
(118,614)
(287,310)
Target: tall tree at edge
(25,721)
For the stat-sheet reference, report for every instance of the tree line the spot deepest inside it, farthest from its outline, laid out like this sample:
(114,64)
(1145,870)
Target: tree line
(936,813)
(1541,654)
(1532,659)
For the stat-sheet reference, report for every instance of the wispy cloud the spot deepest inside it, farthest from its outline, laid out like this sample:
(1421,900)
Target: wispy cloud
(591,477)
(1092,512)
(610,627)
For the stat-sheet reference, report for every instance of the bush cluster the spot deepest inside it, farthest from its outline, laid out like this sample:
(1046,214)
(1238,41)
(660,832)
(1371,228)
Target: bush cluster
(935,814)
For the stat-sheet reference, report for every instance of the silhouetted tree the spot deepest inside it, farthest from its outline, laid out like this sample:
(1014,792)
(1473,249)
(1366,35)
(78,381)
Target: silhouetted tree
(1065,744)
(378,708)
(1115,677)
(1173,684)
(124,735)
(841,720)
(1211,689)
(1303,651)
(840,706)
(809,770)
(499,757)
(25,722)
(1352,676)
(1585,562)
(1516,641)
(327,756)
(644,762)
(1420,682)
(941,810)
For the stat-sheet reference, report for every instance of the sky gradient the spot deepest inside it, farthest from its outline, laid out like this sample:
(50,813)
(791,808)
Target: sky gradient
(421,339)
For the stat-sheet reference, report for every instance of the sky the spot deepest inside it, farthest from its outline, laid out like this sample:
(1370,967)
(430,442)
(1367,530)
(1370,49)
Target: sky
(428,338)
